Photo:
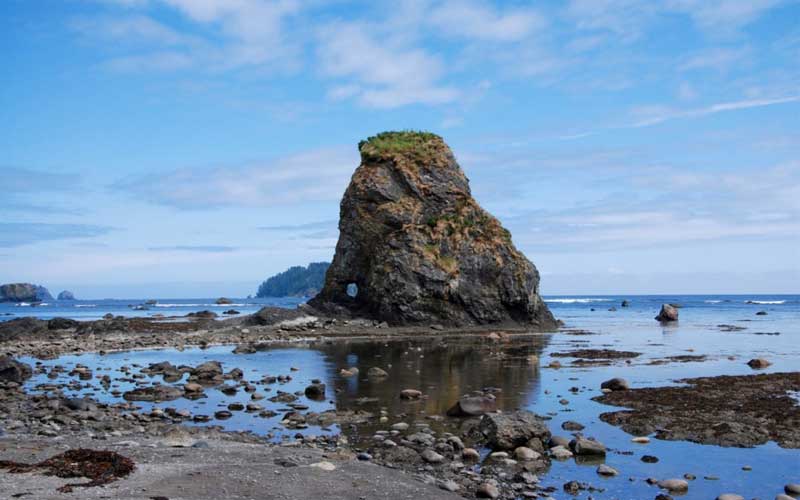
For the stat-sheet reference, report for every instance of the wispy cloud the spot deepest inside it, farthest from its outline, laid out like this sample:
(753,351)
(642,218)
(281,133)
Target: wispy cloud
(313,176)
(654,116)
(194,248)
(24,180)
(325,224)
(14,234)
(481,21)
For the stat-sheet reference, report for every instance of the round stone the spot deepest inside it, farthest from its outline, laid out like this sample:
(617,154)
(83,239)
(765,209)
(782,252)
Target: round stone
(607,470)
(674,484)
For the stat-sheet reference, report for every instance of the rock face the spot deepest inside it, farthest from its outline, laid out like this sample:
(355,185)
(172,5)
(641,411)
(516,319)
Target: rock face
(66,295)
(415,247)
(23,292)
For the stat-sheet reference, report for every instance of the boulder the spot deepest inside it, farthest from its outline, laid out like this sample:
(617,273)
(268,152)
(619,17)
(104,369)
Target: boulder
(674,485)
(615,384)
(66,295)
(416,248)
(154,393)
(667,314)
(202,314)
(315,391)
(209,372)
(583,446)
(376,372)
(61,324)
(410,394)
(14,371)
(473,406)
(507,431)
(223,301)
(758,363)
(23,292)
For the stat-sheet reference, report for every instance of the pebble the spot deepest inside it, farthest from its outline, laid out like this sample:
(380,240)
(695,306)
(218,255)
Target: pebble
(400,426)
(607,470)
(487,490)
(524,453)
(431,456)
(449,485)
(784,497)
(410,394)
(326,466)
(674,485)
(569,425)
(560,453)
(792,489)
(470,454)
(641,440)
(730,496)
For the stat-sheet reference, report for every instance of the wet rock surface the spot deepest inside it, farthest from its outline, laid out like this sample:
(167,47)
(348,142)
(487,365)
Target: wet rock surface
(742,411)
(416,248)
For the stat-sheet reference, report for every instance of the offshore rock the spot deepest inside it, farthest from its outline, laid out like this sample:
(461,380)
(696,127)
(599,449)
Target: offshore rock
(416,248)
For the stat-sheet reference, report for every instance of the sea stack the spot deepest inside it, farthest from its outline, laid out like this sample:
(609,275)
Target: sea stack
(416,248)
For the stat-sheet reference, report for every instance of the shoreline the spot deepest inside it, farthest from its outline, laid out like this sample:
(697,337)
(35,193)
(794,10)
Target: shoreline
(160,434)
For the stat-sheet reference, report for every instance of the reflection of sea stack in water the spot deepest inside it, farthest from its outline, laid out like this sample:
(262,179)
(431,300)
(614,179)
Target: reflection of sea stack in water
(415,247)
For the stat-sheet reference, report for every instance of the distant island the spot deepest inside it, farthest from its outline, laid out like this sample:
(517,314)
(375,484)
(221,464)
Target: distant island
(297,281)
(24,292)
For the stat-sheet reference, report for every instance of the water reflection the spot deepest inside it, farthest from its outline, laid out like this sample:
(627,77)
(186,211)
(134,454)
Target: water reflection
(442,369)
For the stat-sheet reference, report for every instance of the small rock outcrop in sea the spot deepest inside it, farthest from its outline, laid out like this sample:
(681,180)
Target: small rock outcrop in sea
(416,248)
(66,295)
(23,292)
(667,314)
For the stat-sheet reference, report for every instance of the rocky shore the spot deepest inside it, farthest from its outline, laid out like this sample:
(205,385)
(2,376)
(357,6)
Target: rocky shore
(479,453)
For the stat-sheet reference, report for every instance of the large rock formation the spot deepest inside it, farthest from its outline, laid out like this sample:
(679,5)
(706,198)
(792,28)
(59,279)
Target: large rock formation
(415,247)
(23,292)
(66,295)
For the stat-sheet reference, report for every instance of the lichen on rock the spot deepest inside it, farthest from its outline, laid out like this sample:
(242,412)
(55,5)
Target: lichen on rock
(415,247)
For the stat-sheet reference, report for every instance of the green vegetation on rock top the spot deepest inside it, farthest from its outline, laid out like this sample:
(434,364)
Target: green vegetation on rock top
(398,142)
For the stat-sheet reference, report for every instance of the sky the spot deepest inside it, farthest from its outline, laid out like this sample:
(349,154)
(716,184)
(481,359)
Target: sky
(192,148)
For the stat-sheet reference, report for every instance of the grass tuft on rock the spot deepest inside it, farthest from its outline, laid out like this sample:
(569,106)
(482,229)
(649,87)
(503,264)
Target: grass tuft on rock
(394,142)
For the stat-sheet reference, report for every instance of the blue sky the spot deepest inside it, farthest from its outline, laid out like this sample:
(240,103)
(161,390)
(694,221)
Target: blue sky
(195,147)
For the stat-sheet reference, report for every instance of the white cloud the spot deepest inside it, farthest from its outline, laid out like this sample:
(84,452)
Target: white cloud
(381,73)
(480,21)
